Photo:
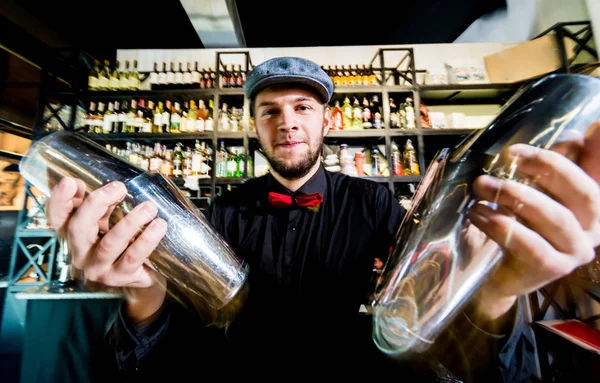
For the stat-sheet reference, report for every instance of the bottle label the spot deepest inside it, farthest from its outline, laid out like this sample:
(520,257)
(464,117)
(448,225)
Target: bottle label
(134,83)
(102,82)
(114,83)
(92,82)
(196,163)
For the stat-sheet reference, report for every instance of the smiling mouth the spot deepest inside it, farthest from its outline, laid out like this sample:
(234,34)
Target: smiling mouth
(289,144)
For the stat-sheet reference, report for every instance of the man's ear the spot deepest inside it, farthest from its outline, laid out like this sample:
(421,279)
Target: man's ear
(326,119)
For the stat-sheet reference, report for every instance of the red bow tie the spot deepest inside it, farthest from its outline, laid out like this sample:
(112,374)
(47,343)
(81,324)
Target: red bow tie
(311,201)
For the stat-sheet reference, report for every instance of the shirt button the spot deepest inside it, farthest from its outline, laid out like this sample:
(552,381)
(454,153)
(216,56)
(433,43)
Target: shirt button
(294,228)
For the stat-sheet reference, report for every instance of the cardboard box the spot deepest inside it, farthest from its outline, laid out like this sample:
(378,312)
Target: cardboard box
(526,61)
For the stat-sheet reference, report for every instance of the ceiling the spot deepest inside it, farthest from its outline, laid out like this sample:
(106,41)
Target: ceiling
(38,29)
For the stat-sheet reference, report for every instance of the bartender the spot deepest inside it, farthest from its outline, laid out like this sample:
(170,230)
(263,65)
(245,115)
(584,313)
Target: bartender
(311,238)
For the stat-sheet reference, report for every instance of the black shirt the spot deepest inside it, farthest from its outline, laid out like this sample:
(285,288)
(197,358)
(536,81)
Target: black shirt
(310,271)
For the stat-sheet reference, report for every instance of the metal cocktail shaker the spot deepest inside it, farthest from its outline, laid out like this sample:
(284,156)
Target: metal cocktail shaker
(439,259)
(202,270)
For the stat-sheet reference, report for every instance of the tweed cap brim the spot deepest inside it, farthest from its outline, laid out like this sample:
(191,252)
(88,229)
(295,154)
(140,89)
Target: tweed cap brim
(280,79)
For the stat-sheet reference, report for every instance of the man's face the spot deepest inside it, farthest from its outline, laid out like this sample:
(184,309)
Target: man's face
(290,125)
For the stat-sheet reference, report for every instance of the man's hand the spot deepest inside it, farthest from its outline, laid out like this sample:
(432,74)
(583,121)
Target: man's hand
(546,236)
(113,256)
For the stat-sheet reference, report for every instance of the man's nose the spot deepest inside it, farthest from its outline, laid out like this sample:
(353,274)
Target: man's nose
(288,119)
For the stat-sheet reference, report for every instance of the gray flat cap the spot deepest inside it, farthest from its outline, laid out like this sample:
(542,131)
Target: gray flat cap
(283,70)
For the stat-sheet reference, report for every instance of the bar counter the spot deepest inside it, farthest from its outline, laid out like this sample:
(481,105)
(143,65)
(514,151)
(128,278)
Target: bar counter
(62,333)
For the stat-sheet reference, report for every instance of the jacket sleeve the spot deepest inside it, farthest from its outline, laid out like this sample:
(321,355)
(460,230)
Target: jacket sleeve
(502,351)
(168,343)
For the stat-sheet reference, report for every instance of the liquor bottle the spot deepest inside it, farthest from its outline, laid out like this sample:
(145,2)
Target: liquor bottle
(337,117)
(195,82)
(187,75)
(224,119)
(121,111)
(162,77)
(134,77)
(351,76)
(221,161)
(201,117)
(345,74)
(124,77)
(88,122)
(203,78)
(103,76)
(148,113)
(131,115)
(110,118)
(365,80)
(153,77)
(114,80)
(197,159)
(337,79)
(179,75)
(357,121)
(375,161)
(411,163)
(191,117)
(410,114)
(396,160)
(157,126)
(241,77)
(99,118)
(138,121)
(231,165)
(372,77)
(209,123)
(187,162)
(166,117)
(250,167)
(348,113)
(170,76)
(175,118)
(239,164)
(366,114)
(93,76)
(394,118)
(178,161)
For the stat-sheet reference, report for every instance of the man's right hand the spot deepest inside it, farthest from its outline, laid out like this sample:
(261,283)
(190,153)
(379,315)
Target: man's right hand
(113,256)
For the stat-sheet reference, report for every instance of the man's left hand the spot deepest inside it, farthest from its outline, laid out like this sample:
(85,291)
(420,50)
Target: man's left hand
(555,231)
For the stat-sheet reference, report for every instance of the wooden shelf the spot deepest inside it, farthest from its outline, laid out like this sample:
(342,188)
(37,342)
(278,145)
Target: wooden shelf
(465,93)
(150,136)
(446,132)
(356,133)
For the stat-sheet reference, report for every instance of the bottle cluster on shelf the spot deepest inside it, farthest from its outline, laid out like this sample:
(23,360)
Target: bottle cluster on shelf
(230,163)
(185,161)
(370,161)
(352,75)
(175,76)
(405,162)
(107,77)
(179,161)
(368,114)
(162,116)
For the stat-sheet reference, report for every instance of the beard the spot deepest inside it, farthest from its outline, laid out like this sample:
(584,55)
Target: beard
(301,167)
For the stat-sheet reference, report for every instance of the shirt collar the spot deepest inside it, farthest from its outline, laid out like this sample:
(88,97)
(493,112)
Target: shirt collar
(316,184)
